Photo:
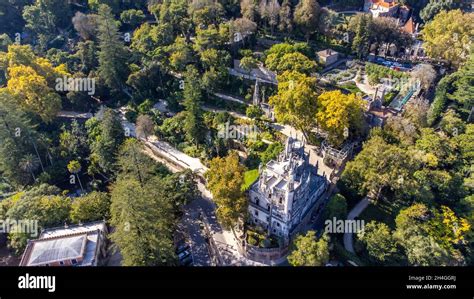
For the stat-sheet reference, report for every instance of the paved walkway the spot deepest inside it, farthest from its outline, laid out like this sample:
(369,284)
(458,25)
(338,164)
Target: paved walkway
(355,212)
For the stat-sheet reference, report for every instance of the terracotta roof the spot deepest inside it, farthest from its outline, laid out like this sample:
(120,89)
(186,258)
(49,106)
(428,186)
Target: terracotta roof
(385,3)
(409,26)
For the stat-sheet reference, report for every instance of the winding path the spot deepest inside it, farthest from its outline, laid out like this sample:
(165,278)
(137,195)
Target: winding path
(355,212)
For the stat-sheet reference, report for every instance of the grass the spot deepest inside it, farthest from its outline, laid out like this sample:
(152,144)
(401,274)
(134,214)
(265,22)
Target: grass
(351,88)
(249,178)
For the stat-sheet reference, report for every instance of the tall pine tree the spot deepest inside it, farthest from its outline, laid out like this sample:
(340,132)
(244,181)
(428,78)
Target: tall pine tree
(112,55)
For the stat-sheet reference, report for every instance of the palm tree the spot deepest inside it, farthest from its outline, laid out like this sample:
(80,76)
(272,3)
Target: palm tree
(30,163)
(74,167)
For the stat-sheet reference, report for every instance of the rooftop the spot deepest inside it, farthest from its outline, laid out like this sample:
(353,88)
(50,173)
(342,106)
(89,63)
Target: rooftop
(62,244)
(385,3)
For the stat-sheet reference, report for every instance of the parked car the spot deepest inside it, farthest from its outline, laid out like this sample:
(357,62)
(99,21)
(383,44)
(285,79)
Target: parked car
(184,254)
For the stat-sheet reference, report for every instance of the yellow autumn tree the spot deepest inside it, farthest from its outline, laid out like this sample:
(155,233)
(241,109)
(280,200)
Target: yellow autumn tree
(295,103)
(32,92)
(31,80)
(225,179)
(340,115)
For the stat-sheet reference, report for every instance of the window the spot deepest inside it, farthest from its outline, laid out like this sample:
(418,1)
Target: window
(61,263)
(256,213)
(74,261)
(269,195)
(281,200)
(257,201)
(278,224)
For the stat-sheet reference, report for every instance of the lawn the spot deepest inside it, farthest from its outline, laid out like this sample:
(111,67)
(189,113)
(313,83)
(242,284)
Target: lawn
(351,88)
(249,178)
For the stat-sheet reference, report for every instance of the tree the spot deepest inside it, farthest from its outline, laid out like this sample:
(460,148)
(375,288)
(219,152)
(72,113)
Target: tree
(464,85)
(175,13)
(269,12)
(206,12)
(308,251)
(30,163)
(253,111)
(180,54)
(436,6)
(73,142)
(33,92)
(248,9)
(75,167)
(91,207)
(286,23)
(193,125)
(225,179)
(295,62)
(336,207)
(144,126)
(425,74)
(378,241)
(112,54)
(42,203)
(340,115)
(105,137)
(448,35)
(427,235)
(85,25)
(241,28)
(132,17)
(18,140)
(360,26)
(296,101)
(144,223)
(133,163)
(44,17)
(382,168)
(296,53)
(306,16)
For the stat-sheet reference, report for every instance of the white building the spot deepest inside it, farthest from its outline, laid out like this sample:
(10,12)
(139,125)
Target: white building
(383,8)
(78,245)
(286,191)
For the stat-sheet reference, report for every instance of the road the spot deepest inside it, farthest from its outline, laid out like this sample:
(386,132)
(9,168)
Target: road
(355,212)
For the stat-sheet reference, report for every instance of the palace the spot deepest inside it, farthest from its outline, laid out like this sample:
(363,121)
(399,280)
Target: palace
(286,191)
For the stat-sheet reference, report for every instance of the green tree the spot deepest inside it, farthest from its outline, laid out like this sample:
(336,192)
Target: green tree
(144,223)
(447,35)
(225,179)
(381,169)
(42,203)
(306,16)
(296,101)
(192,93)
(112,54)
(30,164)
(336,207)
(378,241)
(308,251)
(427,236)
(360,25)
(133,163)
(132,17)
(91,207)
(105,137)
